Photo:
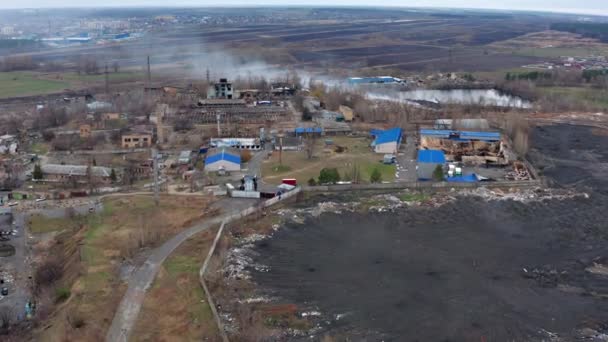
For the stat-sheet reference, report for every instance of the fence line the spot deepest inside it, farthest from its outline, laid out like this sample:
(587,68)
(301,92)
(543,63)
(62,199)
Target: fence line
(423,185)
(203,269)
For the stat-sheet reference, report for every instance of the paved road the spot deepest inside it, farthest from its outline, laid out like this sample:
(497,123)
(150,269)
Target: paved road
(128,310)
(406,161)
(18,266)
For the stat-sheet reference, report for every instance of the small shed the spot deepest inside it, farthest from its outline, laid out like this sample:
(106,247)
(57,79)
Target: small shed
(222,160)
(427,163)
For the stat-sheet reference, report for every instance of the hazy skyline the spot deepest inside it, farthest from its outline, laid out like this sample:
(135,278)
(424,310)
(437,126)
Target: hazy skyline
(598,7)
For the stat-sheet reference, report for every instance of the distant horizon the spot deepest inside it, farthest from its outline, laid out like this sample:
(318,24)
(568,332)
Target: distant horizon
(143,4)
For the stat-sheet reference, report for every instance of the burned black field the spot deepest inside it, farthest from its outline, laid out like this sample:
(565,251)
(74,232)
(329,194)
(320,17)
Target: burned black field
(473,269)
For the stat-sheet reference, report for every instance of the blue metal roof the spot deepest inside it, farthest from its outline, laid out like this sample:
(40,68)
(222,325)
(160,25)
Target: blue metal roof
(431,156)
(461,135)
(223,155)
(301,130)
(389,135)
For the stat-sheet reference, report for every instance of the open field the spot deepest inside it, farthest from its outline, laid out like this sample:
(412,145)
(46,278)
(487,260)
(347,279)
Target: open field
(93,256)
(583,97)
(297,165)
(186,316)
(13,84)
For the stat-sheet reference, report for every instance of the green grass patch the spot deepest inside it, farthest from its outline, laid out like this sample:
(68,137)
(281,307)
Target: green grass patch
(280,168)
(179,264)
(24,83)
(585,96)
(40,148)
(414,197)
(62,294)
(112,76)
(386,170)
(40,224)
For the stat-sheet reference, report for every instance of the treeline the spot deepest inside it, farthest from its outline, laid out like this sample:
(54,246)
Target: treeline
(589,30)
(532,76)
(566,78)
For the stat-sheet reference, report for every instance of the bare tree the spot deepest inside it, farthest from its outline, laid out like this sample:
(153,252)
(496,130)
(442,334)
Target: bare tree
(310,143)
(6,318)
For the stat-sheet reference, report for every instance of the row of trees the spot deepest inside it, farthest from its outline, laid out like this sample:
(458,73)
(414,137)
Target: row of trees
(332,176)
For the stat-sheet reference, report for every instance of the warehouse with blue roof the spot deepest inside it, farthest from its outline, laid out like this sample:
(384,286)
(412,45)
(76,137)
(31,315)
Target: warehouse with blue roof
(386,141)
(223,159)
(428,160)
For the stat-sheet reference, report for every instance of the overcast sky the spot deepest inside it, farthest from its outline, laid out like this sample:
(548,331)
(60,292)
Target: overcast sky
(573,6)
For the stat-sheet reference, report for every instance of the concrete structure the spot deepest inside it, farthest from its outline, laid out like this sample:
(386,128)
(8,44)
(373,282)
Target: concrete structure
(237,143)
(462,124)
(387,141)
(136,140)
(185,157)
(428,160)
(347,112)
(222,160)
(85,131)
(220,90)
(75,173)
(110,116)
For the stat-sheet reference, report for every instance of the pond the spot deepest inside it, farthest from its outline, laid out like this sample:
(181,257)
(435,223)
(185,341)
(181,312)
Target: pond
(485,97)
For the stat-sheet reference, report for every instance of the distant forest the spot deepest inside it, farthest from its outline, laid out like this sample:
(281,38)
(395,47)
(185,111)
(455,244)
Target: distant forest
(589,30)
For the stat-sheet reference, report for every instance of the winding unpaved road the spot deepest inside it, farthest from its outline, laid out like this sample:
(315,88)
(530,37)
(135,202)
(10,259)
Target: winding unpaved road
(128,310)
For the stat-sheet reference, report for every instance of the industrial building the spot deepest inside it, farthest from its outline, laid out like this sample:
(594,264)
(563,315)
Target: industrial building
(386,141)
(237,143)
(222,160)
(462,124)
(428,160)
(375,80)
(220,90)
(465,146)
(75,173)
(347,113)
(136,140)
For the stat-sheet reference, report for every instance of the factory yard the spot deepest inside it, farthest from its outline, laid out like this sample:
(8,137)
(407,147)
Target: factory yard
(479,266)
(355,152)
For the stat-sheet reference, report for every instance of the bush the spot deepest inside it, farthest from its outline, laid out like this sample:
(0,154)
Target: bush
(376,176)
(312,182)
(438,173)
(329,176)
(62,294)
(48,135)
(245,156)
(48,272)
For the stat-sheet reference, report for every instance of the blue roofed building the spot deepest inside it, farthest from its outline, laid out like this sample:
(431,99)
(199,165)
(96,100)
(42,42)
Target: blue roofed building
(375,80)
(387,141)
(222,160)
(428,160)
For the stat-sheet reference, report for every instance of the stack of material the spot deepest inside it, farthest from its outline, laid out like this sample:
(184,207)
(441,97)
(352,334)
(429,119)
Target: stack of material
(519,173)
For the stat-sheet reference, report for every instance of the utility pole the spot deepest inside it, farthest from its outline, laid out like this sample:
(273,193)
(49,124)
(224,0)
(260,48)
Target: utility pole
(281,149)
(149,74)
(219,129)
(156,185)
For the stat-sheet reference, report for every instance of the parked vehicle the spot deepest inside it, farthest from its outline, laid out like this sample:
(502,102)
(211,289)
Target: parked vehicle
(4,291)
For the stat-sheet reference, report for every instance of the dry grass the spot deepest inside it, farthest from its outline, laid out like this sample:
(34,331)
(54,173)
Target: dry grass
(175,308)
(297,165)
(125,225)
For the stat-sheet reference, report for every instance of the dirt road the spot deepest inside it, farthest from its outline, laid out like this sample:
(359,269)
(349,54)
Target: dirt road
(128,310)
